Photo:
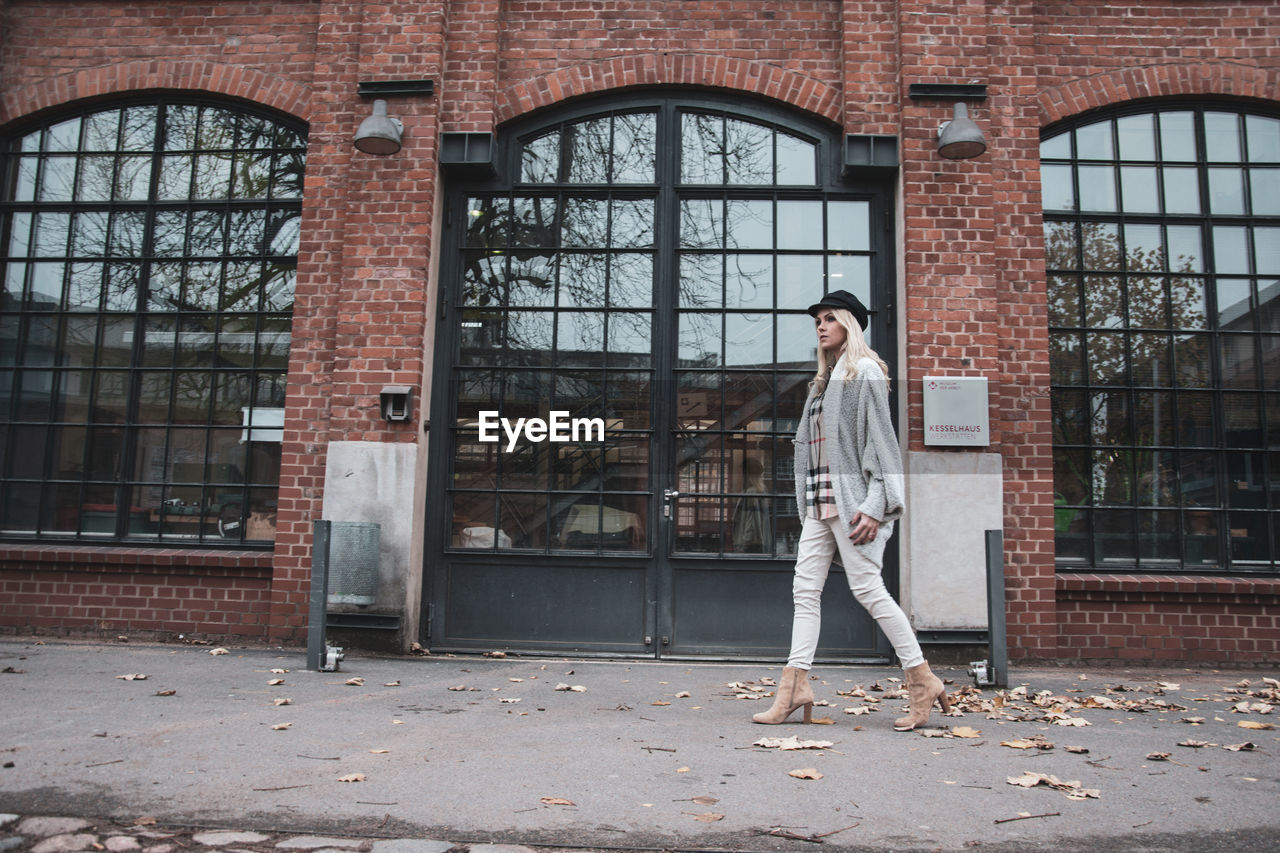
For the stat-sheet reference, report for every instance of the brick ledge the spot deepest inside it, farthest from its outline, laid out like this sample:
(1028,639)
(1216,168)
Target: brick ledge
(93,557)
(1167,585)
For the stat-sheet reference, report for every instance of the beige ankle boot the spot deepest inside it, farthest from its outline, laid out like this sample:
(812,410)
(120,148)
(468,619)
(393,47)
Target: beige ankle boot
(793,691)
(923,688)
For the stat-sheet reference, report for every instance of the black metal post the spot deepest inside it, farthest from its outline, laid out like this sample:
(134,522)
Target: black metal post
(318,614)
(999,644)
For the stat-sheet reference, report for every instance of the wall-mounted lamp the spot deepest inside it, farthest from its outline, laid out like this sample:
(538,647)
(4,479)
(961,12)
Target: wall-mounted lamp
(960,138)
(396,402)
(379,133)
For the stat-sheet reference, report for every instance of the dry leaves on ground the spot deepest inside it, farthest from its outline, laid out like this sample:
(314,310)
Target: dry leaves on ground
(1071,789)
(133,676)
(806,773)
(556,801)
(793,742)
(352,777)
(566,688)
(219,651)
(1032,742)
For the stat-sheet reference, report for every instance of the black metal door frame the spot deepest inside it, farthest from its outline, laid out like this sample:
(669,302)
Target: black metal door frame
(658,618)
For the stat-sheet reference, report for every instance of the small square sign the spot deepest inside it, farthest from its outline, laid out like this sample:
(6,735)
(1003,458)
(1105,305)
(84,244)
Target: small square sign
(955,411)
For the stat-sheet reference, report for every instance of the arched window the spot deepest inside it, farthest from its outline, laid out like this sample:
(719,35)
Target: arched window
(1162,236)
(149,252)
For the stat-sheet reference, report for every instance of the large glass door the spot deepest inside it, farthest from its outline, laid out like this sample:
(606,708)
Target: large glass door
(623,353)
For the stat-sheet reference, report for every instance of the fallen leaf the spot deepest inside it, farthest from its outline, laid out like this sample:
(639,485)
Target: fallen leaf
(1242,747)
(133,676)
(1252,724)
(354,682)
(576,688)
(279,727)
(169,692)
(219,651)
(684,694)
(509,700)
(682,769)
(1033,742)
(708,817)
(660,703)
(391,684)
(1078,750)
(1196,744)
(1158,756)
(352,777)
(282,701)
(1072,789)
(516,680)
(1071,721)
(495,654)
(278,671)
(275,681)
(806,773)
(706,801)
(1195,721)
(556,801)
(859,710)
(146,820)
(792,742)
(379,751)
(965,731)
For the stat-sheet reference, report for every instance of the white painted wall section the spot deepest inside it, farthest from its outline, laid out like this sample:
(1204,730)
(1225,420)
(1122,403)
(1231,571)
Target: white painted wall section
(953,498)
(374,481)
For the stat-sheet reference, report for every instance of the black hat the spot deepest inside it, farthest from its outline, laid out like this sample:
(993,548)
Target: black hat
(842,299)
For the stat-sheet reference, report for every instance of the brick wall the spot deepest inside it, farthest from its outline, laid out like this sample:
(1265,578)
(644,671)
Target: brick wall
(971,256)
(153,593)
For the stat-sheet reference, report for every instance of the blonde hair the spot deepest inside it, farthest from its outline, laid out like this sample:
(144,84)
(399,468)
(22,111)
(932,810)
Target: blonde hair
(855,347)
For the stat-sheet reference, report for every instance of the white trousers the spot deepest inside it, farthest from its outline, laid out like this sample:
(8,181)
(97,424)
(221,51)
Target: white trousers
(819,540)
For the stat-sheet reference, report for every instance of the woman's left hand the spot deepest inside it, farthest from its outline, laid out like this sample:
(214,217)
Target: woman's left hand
(864,529)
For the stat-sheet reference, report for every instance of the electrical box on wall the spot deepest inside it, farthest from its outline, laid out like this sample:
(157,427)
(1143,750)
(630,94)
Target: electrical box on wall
(955,411)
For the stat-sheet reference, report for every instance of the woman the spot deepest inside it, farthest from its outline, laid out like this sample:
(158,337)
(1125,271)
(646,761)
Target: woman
(849,489)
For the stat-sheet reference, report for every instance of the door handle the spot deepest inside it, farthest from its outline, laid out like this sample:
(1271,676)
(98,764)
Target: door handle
(668,495)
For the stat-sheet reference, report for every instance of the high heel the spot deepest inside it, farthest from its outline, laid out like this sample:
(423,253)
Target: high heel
(923,689)
(793,692)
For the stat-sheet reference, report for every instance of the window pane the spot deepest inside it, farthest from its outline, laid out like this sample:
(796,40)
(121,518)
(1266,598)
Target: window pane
(1230,249)
(1177,136)
(1226,190)
(1266,250)
(701,149)
(848,226)
(1264,191)
(631,281)
(1056,148)
(800,224)
(797,160)
(1222,137)
(588,145)
(1137,137)
(634,148)
(749,281)
(748,153)
(1093,142)
(540,159)
(748,340)
(631,224)
(749,224)
(1138,189)
(1181,189)
(1097,188)
(1263,135)
(1057,187)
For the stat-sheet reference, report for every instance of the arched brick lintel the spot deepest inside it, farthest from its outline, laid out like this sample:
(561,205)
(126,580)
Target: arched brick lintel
(233,81)
(666,69)
(1157,81)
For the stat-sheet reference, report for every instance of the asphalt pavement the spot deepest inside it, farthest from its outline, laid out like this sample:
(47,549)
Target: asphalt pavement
(628,755)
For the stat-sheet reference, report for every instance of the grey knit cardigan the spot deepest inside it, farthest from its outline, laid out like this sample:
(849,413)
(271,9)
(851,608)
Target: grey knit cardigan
(862,451)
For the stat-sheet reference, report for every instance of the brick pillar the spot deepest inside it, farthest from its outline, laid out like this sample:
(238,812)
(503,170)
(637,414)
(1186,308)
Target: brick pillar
(1021,404)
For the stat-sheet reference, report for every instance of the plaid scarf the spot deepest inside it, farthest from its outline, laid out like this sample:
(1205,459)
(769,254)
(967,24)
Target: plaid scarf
(819,497)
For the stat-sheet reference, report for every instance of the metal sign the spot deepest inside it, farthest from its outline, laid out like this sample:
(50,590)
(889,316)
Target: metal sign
(955,411)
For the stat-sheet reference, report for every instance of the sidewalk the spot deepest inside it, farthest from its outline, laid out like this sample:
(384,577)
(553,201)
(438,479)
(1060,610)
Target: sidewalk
(467,751)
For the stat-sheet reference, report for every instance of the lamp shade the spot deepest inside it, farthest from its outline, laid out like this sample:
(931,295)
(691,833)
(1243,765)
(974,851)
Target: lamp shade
(379,133)
(960,138)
